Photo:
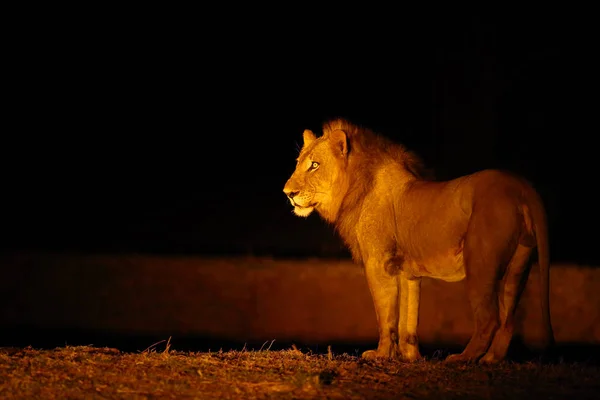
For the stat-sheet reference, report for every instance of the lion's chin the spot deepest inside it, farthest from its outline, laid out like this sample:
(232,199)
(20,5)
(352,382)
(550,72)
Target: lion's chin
(303,211)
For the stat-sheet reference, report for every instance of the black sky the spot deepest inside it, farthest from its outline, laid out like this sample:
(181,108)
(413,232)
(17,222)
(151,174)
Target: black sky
(175,134)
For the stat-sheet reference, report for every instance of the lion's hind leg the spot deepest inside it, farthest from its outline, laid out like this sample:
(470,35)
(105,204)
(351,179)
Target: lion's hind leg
(509,294)
(490,243)
(484,304)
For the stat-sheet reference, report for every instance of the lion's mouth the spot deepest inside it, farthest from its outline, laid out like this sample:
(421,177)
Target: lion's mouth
(303,211)
(311,205)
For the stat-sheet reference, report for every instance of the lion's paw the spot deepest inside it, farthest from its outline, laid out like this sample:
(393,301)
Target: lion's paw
(371,355)
(489,359)
(412,357)
(458,358)
(378,355)
(410,354)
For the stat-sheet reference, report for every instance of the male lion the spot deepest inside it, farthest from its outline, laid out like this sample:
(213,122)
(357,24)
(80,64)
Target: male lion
(402,226)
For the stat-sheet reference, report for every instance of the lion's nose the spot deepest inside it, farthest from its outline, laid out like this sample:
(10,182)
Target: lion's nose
(290,193)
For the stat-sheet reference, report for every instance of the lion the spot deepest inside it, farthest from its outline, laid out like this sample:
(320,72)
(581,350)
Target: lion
(402,225)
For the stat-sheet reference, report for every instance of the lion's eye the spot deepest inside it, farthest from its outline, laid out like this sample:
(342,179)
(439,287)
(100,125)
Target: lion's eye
(314,165)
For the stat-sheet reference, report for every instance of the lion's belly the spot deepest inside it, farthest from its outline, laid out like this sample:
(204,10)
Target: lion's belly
(449,267)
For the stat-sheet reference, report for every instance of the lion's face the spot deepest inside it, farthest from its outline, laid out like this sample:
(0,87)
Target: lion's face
(314,182)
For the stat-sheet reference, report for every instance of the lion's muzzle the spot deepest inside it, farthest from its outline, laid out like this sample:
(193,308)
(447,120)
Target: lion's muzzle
(290,191)
(291,194)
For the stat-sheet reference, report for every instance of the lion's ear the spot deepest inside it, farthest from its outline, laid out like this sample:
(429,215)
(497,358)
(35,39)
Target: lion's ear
(339,142)
(308,136)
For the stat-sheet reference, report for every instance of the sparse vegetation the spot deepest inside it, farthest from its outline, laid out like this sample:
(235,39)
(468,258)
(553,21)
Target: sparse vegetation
(85,372)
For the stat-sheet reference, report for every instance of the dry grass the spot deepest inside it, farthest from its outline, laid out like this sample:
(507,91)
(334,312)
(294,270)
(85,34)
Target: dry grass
(85,372)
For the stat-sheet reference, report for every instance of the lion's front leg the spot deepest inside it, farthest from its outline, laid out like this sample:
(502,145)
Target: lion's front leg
(410,297)
(384,291)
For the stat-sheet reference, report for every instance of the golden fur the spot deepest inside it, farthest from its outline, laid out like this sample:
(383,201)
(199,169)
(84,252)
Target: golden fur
(403,226)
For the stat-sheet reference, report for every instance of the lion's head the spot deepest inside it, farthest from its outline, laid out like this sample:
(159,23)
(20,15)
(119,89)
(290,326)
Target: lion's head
(339,167)
(319,173)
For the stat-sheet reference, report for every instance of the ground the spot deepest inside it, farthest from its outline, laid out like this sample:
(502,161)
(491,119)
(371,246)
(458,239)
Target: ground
(162,372)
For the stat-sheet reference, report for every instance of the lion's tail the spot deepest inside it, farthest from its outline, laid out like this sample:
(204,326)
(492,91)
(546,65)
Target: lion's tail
(541,233)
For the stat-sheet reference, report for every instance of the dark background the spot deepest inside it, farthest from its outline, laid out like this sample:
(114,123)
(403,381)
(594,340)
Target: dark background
(158,131)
